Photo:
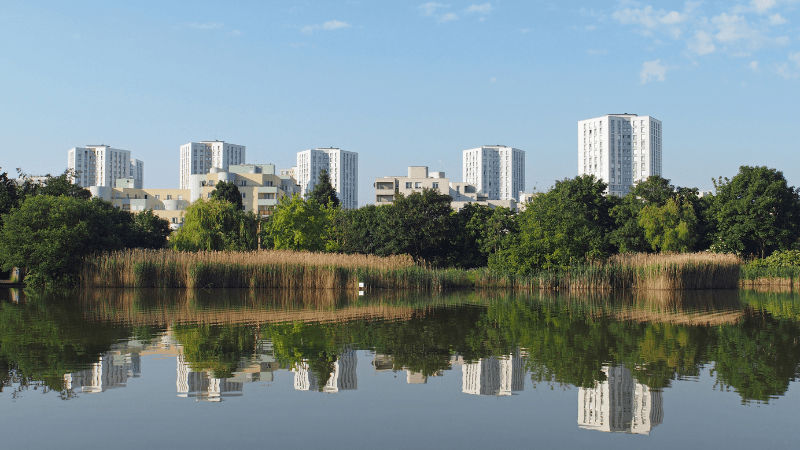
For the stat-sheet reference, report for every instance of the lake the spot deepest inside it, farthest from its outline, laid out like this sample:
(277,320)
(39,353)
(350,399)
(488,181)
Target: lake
(240,368)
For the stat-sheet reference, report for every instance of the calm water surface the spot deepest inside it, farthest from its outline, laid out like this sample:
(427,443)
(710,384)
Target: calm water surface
(212,369)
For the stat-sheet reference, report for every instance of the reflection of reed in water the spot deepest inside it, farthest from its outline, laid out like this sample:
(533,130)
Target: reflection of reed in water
(239,306)
(708,307)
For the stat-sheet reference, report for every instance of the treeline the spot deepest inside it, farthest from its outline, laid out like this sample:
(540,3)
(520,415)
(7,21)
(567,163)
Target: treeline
(754,214)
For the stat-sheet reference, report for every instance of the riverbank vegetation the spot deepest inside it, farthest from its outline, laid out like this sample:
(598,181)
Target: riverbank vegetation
(571,237)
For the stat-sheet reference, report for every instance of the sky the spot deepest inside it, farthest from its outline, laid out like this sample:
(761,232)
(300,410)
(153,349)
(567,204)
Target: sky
(401,83)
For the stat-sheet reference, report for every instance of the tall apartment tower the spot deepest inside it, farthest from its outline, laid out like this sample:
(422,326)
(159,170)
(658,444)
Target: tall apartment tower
(342,166)
(200,157)
(101,165)
(620,149)
(496,171)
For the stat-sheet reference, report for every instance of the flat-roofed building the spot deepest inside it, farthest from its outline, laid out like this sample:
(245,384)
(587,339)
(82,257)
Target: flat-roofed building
(102,165)
(419,178)
(342,167)
(198,158)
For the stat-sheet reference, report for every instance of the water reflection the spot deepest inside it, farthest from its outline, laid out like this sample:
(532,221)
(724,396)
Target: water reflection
(619,404)
(621,352)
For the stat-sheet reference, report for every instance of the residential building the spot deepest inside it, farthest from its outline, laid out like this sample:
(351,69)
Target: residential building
(260,188)
(198,158)
(343,377)
(497,171)
(620,149)
(419,178)
(494,375)
(102,165)
(342,166)
(619,404)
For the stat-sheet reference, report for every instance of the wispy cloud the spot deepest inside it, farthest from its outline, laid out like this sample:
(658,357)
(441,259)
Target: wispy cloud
(327,26)
(734,30)
(652,70)
(440,11)
(485,8)
(430,8)
(204,26)
(754,66)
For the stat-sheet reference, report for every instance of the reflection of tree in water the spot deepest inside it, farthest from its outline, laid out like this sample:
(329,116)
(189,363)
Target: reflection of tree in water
(567,341)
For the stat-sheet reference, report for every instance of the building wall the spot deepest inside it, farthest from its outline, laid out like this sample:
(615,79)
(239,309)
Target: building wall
(419,178)
(342,166)
(101,165)
(201,157)
(620,149)
(496,171)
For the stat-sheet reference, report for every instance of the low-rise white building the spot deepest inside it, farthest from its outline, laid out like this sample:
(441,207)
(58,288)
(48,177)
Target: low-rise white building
(386,188)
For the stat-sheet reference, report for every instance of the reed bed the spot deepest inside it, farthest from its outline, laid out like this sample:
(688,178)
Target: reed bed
(275,269)
(628,272)
(784,279)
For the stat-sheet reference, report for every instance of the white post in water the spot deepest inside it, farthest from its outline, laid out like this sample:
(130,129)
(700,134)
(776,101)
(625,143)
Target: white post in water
(360,288)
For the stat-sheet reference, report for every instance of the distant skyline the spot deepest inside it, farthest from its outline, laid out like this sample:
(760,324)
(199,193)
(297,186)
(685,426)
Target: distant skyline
(400,83)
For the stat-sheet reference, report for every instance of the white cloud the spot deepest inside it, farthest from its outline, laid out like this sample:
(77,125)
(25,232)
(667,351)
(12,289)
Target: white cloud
(327,26)
(448,17)
(776,19)
(754,66)
(236,33)
(784,71)
(795,57)
(701,44)
(525,30)
(430,8)
(590,28)
(762,6)
(485,8)
(652,70)
(493,80)
(205,26)
(334,25)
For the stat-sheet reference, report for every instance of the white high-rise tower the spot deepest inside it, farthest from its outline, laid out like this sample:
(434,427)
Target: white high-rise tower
(620,149)
(200,157)
(101,165)
(495,170)
(342,166)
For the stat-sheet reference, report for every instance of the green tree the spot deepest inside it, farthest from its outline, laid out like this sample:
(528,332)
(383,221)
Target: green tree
(56,186)
(756,212)
(360,230)
(227,191)
(627,235)
(565,226)
(9,195)
(669,228)
(323,192)
(420,225)
(216,225)
(298,224)
(148,231)
(49,236)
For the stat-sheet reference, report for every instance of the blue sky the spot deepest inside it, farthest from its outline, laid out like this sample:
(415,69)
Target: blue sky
(401,83)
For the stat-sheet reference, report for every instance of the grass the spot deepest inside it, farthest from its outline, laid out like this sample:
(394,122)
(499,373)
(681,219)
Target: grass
(278,269)
(755,276)
(628,272)
(281,269)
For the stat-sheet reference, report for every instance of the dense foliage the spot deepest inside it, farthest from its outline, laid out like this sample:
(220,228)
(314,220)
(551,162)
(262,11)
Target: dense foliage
(216,225)
(323,192)
(227,191)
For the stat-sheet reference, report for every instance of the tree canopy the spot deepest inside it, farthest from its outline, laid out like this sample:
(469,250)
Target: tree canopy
(227,191)
(756,212)
(323,192)
(298,224)
(216,225)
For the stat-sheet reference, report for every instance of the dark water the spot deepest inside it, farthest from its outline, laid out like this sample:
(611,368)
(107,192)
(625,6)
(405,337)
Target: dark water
(213,369)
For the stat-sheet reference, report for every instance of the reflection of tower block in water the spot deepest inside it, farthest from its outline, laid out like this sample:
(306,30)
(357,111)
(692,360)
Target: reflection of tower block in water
(619,404)
(111,371)
(202,386)
(383,363)
(343,377)
(494,376)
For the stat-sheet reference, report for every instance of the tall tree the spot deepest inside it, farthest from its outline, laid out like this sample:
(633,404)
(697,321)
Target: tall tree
(565,226)
(669,228)
(756,212)
(297,224)
(216,225)
(51,235)
(420,225)
(227,191)
(323,192)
